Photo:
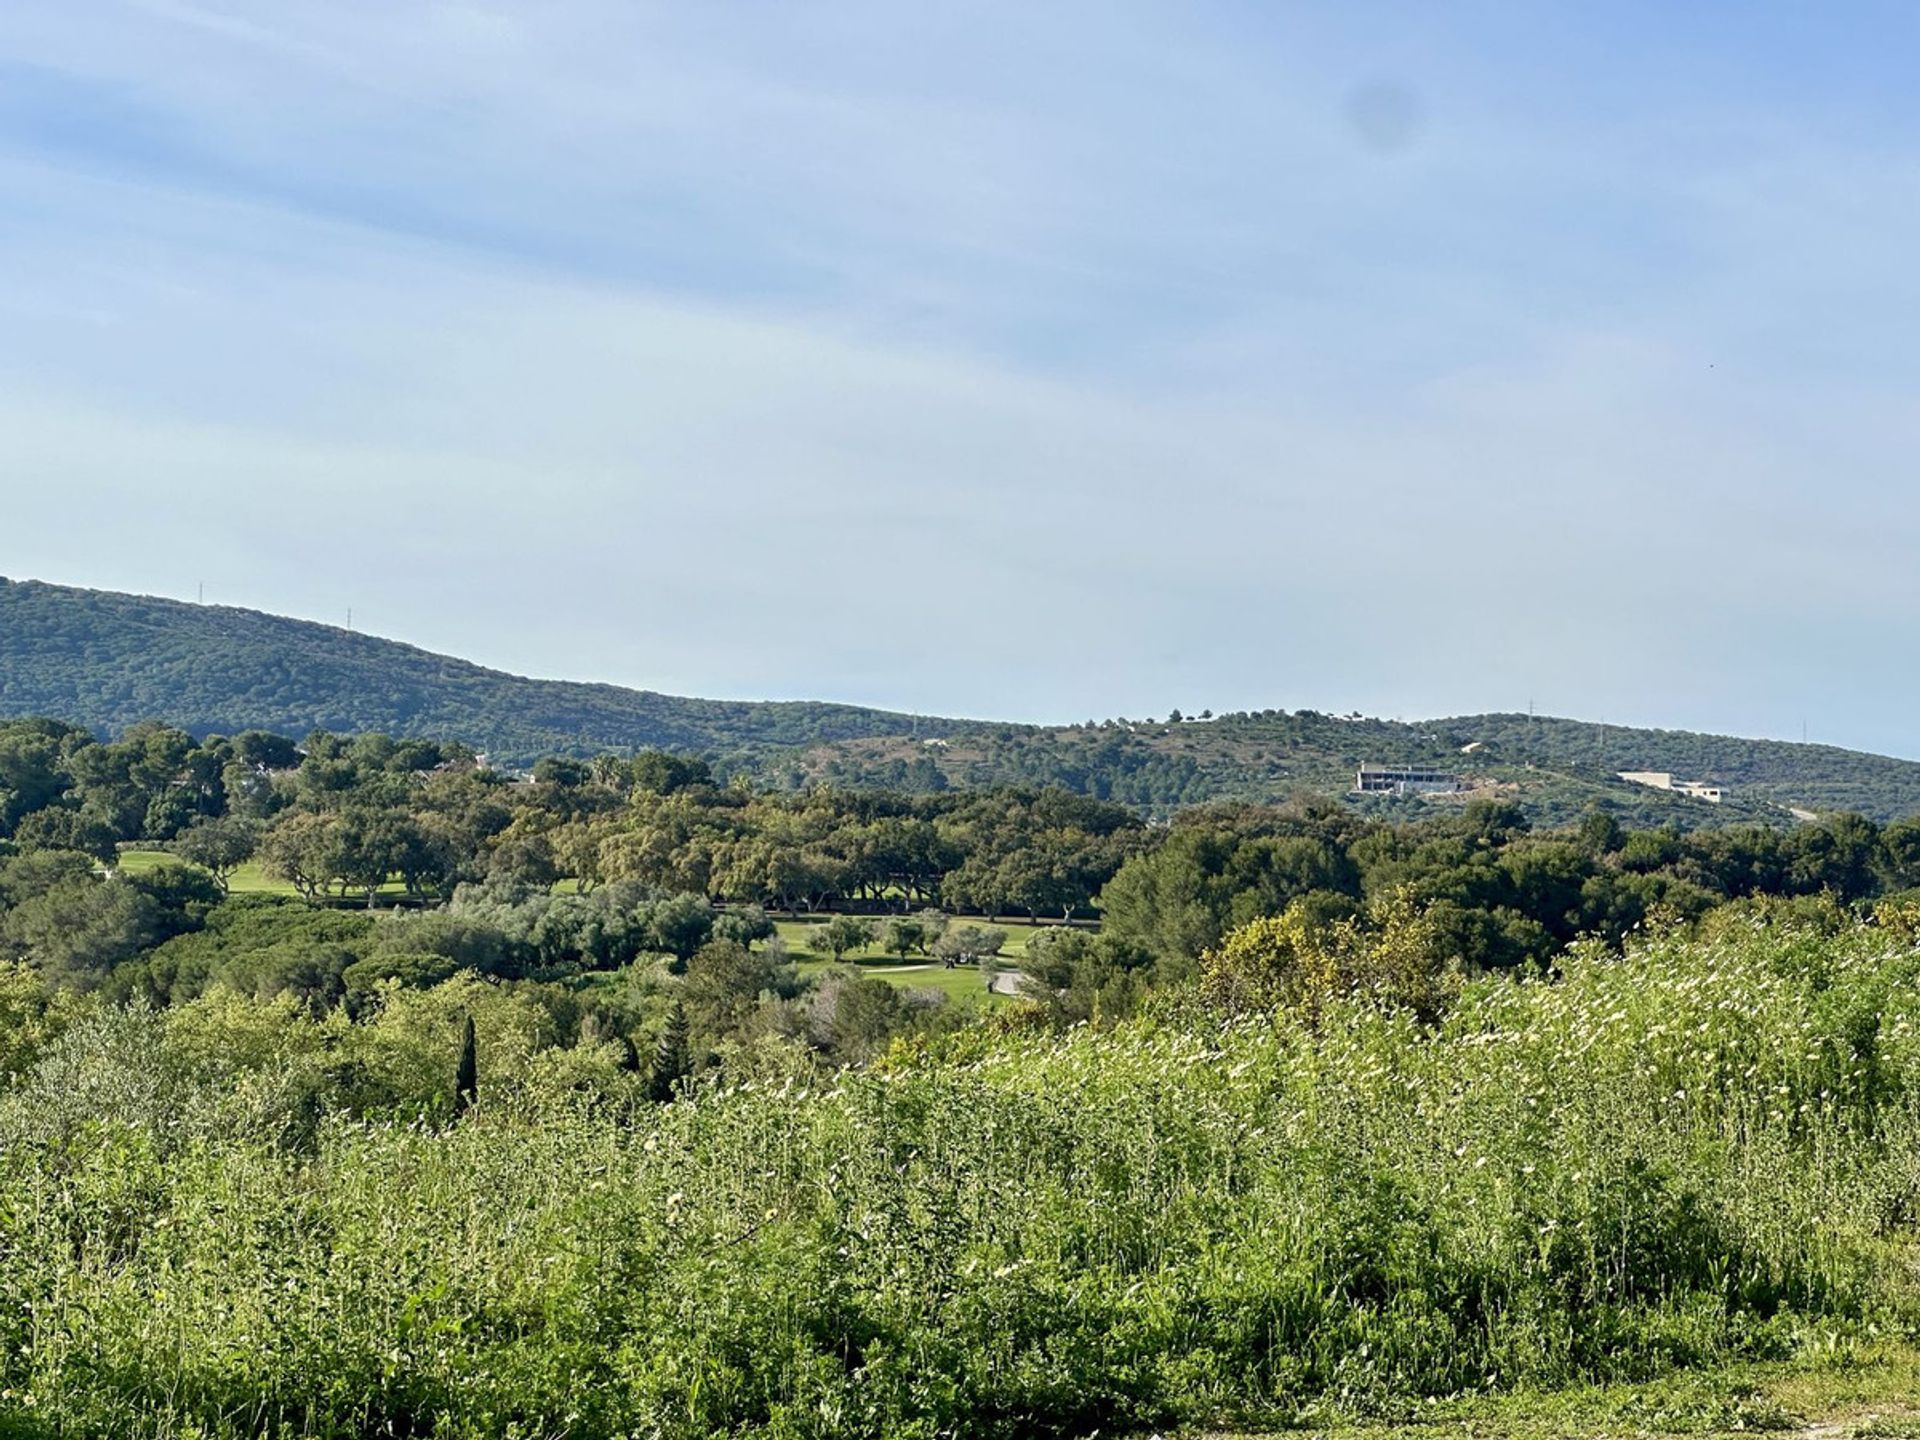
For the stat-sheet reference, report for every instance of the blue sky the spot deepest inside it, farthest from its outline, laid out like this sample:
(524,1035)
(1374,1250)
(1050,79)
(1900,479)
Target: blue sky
(1036,361)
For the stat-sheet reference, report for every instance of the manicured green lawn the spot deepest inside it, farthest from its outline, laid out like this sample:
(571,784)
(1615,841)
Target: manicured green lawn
(963,982)
(798,933)
(145,862)
(249,879)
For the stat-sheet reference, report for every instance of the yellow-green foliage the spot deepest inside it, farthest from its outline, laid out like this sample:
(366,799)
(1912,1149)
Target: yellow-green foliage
(1297,961)
(1278,960)
(1899,917)
(1701,1151)
(31,1015)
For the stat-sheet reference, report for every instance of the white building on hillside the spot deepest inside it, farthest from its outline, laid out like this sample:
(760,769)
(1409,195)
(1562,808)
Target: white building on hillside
(1403,780)
(1663,780)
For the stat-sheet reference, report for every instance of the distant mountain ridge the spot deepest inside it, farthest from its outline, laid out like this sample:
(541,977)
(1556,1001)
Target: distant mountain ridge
(110,660)
(1554,769)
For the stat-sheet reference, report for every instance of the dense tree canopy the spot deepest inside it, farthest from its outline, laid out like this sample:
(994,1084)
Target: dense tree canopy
(617,887)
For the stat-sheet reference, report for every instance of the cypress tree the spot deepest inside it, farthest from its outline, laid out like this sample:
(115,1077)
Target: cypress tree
(673,1061)
(466,1081)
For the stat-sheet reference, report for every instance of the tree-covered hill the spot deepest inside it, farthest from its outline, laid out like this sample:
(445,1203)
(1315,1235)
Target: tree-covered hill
(108,661)
(1809,777)
(1555,769)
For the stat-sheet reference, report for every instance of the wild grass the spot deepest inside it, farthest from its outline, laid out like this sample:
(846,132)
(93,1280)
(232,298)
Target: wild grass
(1702,1154)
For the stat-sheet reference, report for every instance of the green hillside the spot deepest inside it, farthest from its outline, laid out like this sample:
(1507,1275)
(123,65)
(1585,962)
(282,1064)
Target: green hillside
(108,661)
(1555,769)
(1811,777)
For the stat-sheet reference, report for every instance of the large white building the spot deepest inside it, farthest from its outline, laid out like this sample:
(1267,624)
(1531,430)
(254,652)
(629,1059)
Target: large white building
(1663,780)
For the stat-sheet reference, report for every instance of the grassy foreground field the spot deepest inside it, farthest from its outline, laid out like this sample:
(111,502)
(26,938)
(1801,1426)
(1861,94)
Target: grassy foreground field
(1691,1172)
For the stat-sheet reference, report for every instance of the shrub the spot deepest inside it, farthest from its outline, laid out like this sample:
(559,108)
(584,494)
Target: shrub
(1399,954)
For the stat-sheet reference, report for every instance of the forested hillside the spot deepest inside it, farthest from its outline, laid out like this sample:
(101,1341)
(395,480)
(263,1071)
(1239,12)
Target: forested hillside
(1554,769)
(1811,777)
(110,661)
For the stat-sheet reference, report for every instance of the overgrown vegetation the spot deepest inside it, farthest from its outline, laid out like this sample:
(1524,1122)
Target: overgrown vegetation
(232,1218)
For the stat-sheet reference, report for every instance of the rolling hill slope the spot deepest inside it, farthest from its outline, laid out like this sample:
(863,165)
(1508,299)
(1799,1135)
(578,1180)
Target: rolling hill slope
(109,660)
(1555,769)
(1776,772)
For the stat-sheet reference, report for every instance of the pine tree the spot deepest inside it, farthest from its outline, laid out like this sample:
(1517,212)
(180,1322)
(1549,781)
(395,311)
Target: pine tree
(466,1081)
(673,1061)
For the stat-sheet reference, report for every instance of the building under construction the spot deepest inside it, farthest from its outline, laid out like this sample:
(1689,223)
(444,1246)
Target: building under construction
(1403,780)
